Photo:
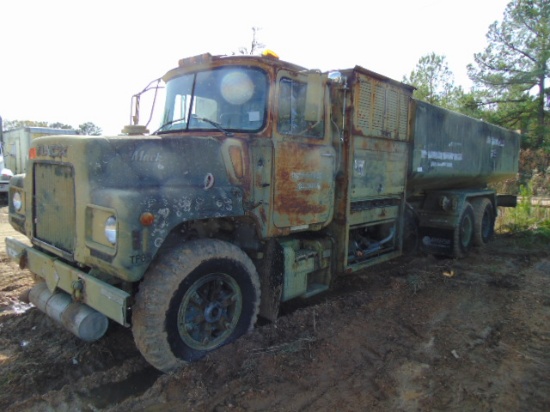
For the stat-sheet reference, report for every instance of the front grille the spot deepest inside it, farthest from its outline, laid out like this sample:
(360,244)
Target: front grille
(54,205)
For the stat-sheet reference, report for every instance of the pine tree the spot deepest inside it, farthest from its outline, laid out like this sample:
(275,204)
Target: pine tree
(514,68)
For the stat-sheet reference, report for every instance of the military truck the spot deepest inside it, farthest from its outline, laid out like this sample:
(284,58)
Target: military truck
(264,182)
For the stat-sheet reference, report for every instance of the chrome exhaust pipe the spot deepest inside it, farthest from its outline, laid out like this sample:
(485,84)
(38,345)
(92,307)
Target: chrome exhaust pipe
(86,323)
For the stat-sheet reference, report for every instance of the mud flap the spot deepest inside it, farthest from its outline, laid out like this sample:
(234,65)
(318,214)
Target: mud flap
(271,272)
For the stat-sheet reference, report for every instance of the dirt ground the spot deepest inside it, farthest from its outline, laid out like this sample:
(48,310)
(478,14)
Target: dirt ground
(418,334)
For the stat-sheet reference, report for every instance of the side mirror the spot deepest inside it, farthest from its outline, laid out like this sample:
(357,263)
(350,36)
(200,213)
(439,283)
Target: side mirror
(337,77)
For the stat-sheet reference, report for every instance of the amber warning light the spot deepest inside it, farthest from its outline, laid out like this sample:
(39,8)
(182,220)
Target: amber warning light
(146,218)
(32,153)
(270,53)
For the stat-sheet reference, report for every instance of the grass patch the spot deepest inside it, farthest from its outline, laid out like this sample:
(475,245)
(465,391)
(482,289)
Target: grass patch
(527,217)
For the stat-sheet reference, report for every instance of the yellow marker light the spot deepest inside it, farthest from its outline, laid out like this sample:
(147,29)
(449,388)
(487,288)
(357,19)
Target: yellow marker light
(147,219)
(270,53)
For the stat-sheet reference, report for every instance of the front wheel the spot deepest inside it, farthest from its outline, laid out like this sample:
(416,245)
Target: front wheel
(193,300)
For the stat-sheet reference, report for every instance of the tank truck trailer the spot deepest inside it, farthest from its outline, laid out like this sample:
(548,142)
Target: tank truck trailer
(264,182)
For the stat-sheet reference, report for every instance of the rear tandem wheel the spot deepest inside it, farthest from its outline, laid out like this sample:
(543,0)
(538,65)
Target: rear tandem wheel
(464,232)
(484,221)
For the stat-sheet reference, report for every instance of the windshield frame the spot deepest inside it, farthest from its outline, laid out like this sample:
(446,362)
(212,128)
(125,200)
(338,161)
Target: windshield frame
(230,99)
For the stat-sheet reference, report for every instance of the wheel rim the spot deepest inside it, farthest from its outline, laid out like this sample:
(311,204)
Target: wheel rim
(466,231)
(209,311)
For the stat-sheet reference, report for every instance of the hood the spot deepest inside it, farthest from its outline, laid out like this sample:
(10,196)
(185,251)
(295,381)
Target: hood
(144,161)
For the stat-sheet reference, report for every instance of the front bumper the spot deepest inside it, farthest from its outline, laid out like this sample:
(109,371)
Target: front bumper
(83,287)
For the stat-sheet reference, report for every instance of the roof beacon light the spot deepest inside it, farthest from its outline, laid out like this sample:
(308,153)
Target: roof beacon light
(270,53)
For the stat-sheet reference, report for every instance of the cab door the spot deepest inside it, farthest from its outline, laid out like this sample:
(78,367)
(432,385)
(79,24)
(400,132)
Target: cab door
(304,159)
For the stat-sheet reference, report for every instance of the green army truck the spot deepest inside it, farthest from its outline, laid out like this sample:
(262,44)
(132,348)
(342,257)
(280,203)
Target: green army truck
(263,183)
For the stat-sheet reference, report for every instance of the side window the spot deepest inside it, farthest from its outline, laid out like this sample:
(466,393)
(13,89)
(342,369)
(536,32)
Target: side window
(299,112)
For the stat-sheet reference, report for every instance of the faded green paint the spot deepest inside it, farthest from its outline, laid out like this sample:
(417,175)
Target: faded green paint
(107,299)
(374,161)
(122,177)
(379,167)
(451,150)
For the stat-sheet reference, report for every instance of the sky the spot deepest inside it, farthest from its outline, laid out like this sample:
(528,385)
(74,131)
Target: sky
(75,61)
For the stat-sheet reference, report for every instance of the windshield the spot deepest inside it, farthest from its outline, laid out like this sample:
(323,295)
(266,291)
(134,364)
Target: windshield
(229,98)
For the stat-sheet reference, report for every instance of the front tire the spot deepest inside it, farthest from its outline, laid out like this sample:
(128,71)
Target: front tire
(193,300)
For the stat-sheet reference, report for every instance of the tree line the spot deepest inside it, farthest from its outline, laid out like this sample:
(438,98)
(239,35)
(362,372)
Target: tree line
(510,76)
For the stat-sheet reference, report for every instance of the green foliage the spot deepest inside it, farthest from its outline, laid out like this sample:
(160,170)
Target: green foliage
(521,215)
(534,163)
(468,104)
(89,129)
(17,124)
(59,125)
(513,70)
(527,216)
(434,82)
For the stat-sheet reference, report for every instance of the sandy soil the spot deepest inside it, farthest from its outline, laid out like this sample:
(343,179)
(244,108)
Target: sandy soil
(418,334)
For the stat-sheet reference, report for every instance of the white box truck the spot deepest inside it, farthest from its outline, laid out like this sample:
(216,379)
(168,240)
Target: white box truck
(17,143)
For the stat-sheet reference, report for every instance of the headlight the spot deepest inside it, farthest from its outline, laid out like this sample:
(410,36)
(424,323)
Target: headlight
(111,229)
(17,201)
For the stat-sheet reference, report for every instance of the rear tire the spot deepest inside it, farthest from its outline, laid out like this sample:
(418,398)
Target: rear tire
(410,232)
(193,300)
(464,233)
(484,221)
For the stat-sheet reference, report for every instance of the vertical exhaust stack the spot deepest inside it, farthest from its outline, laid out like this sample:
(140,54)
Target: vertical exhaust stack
(85,322)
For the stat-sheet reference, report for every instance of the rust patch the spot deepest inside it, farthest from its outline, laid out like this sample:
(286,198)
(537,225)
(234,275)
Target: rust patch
(303,179)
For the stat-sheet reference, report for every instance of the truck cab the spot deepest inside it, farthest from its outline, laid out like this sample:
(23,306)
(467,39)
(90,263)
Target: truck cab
(273,121)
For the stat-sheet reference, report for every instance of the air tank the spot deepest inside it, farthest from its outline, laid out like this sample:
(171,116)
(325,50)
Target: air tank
(85,322)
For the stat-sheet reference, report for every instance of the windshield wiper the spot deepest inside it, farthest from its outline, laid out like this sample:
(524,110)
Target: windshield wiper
(213,123)
(200,119)
(169,124)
